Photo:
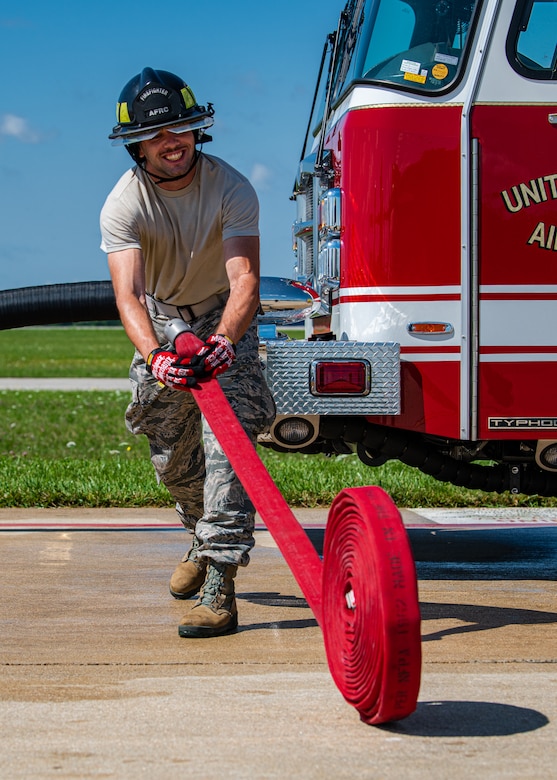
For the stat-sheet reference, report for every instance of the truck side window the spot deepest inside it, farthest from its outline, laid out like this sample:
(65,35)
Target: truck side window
(532,40)
(418,45)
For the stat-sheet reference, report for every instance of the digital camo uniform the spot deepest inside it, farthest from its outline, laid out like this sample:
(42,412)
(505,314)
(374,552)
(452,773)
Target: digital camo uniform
(217,510)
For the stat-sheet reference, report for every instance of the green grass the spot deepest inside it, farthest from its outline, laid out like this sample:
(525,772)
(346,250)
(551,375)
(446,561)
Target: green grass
(76,482)
(63,352)
(73,449)
(67,426)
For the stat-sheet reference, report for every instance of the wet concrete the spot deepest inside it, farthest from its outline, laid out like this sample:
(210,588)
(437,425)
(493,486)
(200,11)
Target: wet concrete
(96,682)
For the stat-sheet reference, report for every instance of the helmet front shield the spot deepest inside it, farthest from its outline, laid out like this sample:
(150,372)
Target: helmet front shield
(124,136)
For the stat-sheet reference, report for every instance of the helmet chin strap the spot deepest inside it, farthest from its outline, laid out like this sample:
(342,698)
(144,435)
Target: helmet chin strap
(156,179)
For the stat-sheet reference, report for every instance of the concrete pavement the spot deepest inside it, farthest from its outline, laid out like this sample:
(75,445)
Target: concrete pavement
(64,383)
(96,682)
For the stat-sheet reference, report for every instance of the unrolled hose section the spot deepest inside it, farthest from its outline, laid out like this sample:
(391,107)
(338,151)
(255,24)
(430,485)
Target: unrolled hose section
(370,609)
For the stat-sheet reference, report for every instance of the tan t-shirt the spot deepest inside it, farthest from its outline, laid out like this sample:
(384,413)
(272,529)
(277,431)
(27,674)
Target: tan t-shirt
(181,232)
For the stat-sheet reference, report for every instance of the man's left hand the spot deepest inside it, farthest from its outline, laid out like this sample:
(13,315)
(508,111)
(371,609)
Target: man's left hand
(215,356)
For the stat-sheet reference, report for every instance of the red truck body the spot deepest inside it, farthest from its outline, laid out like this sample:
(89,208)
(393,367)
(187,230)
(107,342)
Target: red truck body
(427,219)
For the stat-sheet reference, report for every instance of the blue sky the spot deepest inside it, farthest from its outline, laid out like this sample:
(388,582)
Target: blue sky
(64,65)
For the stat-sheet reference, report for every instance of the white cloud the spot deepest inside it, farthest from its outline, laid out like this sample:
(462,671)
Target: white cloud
(17,127)
(260,175)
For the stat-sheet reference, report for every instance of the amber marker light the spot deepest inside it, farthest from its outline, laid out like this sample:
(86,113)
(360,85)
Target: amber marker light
(430,327)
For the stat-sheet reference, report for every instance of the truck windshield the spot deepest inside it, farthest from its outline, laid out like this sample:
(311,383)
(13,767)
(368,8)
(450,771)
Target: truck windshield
(415,44)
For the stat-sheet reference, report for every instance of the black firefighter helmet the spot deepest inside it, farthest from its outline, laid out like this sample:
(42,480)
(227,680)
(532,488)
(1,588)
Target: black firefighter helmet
(157,99)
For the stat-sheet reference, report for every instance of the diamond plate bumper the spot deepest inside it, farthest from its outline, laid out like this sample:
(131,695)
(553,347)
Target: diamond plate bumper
(288,367)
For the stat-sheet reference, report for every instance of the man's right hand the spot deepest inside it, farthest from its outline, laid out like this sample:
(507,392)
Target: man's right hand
(171,370)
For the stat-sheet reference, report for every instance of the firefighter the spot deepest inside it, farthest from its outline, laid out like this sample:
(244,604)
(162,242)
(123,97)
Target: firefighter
(180,229)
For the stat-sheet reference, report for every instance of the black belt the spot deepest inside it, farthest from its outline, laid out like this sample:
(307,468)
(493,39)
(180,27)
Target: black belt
(187,312)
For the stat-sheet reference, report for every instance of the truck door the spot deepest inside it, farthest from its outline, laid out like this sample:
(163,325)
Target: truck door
(514,189)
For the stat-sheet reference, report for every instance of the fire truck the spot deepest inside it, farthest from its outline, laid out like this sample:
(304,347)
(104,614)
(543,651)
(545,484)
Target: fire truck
(426,243)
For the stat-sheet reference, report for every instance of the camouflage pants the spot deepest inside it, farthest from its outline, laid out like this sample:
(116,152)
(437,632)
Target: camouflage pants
(187,458)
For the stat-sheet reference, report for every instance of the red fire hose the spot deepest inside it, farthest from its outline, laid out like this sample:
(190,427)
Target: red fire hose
(363,595)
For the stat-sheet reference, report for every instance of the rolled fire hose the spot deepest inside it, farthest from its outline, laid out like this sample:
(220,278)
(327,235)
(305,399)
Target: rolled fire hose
(364,594)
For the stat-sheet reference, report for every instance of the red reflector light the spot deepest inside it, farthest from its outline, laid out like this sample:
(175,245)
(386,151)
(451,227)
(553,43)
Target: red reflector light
(340,377)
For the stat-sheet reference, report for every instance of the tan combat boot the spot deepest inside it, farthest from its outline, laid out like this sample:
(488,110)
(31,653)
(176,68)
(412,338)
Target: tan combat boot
(189,575)
(215,612)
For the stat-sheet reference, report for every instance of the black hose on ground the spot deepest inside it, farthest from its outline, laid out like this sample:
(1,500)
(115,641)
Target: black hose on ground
(414,451)
(53,304)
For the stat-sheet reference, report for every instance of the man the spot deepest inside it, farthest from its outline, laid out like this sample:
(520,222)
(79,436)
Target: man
(182,238)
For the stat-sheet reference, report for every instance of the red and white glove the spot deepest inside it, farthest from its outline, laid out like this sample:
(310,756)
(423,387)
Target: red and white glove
(170,369)
(215,356)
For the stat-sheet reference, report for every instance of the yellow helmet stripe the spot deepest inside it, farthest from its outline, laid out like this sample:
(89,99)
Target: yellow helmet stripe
(122,114)
(189,97)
